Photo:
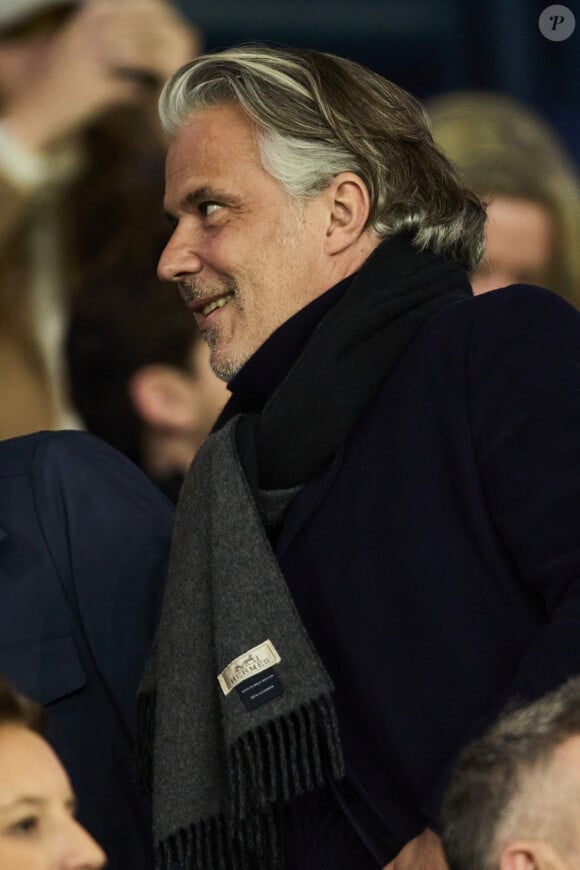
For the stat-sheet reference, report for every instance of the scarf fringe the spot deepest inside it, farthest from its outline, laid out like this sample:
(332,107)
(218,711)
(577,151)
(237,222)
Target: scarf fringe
(267,767)
(284,758)
(209,845)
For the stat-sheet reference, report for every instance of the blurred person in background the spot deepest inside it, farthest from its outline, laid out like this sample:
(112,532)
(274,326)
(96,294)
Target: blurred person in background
(139,372)
(80,172)
(514,160)
(38,829)
(513,802)
(84,540)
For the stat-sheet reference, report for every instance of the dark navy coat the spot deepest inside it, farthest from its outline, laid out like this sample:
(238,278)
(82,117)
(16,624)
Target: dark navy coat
(436,562)
(439,574)
(84,539)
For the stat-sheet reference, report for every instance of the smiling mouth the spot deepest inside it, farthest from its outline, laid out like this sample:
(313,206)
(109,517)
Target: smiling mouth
(215,303)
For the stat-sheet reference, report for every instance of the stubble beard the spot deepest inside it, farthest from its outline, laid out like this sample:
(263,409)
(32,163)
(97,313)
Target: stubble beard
(223,368)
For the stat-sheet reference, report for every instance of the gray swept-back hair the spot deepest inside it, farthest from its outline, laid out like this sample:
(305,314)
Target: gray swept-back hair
(317,115)
(503,787)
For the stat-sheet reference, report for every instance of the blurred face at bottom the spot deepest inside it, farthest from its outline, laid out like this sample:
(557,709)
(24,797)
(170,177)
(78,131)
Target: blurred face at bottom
(38,830)
(519,241)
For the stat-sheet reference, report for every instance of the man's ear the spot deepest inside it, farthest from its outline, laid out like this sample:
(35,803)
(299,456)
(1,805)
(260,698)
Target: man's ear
(348,208)
(530,855)
(161,396)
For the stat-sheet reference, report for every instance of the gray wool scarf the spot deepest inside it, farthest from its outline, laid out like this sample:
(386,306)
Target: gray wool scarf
(221,764)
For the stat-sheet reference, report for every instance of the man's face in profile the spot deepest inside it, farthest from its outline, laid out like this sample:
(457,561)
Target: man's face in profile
(245,256)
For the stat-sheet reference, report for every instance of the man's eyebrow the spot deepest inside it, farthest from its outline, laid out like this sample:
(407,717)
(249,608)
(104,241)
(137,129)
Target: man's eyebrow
(203,194)
(206,192)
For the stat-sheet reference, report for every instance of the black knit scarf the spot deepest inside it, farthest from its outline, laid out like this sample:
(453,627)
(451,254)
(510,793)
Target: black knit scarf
(221,764)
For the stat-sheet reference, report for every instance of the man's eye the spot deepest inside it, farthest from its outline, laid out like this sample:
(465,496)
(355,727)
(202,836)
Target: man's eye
(27,825)
(208,208)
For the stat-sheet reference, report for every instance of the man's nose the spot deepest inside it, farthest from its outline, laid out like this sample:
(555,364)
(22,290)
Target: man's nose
(179,258)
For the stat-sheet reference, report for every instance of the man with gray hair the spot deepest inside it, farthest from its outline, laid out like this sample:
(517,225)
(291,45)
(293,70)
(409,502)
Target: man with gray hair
(378,544)
(513,801)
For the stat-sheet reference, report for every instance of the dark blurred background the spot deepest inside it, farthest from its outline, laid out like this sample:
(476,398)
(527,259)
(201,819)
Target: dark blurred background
(427,46)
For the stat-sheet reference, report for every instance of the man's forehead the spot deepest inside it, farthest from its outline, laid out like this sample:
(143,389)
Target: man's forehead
(217,127)
(216,142)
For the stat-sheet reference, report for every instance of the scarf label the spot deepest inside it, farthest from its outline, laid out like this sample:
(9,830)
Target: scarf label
(251,663)
(259,690)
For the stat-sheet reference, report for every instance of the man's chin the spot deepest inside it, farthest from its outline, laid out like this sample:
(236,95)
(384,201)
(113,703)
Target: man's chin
(222,366)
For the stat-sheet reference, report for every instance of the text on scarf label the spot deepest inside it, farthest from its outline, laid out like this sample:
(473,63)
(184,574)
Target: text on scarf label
(259,690)
(249,664)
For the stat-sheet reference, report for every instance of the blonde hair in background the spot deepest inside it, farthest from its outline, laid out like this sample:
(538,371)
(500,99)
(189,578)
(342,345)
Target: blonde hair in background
(504,148)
